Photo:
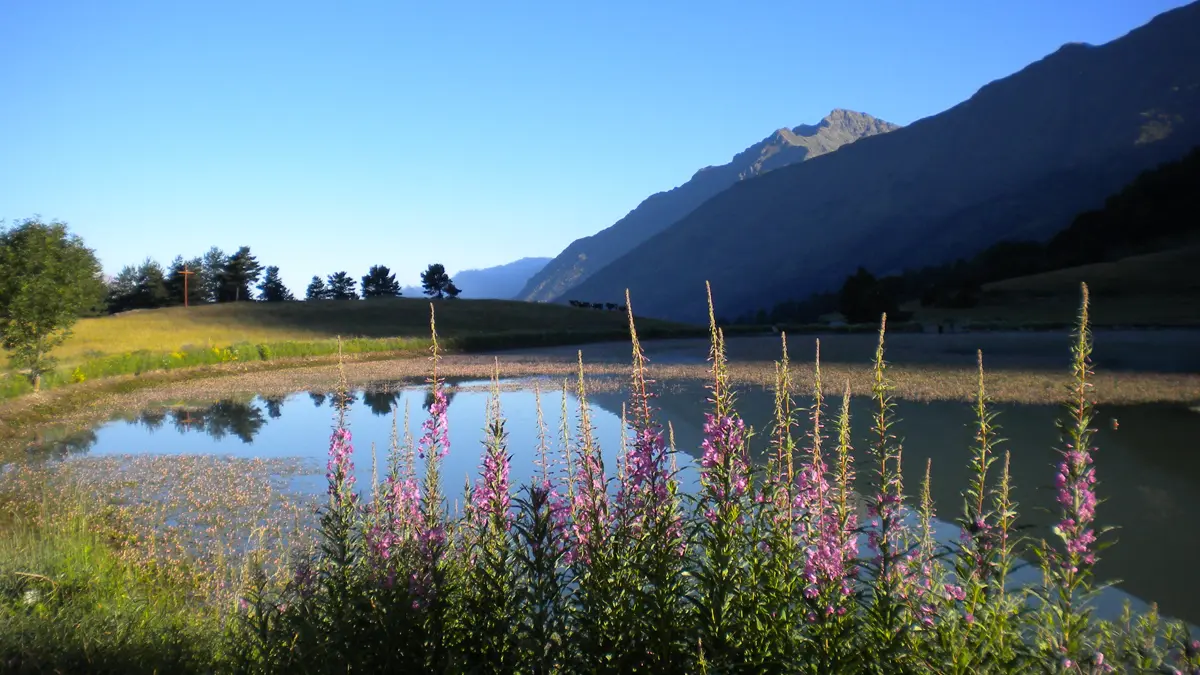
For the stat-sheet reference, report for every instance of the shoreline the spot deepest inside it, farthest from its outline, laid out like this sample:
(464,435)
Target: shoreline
(954,378)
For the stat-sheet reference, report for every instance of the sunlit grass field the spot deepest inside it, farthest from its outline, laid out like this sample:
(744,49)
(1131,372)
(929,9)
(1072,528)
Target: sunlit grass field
(166,330)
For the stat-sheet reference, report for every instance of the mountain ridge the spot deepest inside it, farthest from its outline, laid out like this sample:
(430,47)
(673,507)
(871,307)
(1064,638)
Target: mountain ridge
(499,282)
(783,147)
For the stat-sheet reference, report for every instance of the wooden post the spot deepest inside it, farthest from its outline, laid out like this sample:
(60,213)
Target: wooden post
(186,273)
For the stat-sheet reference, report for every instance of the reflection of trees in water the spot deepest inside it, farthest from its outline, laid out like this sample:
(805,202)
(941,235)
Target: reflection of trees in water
(381,402)
(317,397)
(59,443)
(225,418)
(274,406)
(347,399)
(153,418)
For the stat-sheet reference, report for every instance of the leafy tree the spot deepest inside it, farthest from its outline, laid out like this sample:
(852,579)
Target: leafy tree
(436,282)
(176,285)
(213,262)
(452,291)
(122,288)
(241,270)
(341,287)
(316,289)
(47,276)
(380,283)
(863,298)
(151,289)
(271,289)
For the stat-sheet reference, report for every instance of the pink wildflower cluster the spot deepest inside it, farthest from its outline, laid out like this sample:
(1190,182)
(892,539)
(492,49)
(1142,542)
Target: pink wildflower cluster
(398,515)
(831,544)
(436,436)
(724,455)
(1074,482)
(644,492)
(341,466)
(589,508)
(490,498)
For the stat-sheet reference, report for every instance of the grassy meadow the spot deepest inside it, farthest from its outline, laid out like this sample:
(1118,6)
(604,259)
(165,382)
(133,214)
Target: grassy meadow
(165,330)
(142,341)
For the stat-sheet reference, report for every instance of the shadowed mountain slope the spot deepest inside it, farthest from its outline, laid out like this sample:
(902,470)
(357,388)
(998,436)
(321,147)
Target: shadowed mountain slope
(1018,159)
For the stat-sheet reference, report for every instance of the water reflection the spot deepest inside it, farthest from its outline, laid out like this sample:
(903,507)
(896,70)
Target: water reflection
(240,419)
(381,402)
(274,405)
(55,443)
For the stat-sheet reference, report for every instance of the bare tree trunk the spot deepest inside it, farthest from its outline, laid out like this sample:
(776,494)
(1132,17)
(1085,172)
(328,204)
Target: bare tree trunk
(37,382)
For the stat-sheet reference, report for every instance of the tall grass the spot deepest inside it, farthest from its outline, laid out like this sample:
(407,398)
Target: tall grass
(72,602)
(765,569)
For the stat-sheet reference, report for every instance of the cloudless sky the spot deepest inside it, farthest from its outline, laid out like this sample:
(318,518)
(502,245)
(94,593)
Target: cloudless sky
(333,136)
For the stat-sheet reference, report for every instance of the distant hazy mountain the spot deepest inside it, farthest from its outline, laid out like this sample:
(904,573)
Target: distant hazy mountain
(1017,160)
(502,282)
(586,256)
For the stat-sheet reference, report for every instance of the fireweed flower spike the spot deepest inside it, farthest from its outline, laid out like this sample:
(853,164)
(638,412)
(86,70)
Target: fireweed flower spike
(340,468)
(888,622)
(723,507)
(1069,571)
(649,519)
(648,490)
(431,531)
(490,593)
(589,511)
(490,498)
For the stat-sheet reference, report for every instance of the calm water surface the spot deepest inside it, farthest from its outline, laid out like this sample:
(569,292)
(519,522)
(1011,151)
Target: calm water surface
(1148,462)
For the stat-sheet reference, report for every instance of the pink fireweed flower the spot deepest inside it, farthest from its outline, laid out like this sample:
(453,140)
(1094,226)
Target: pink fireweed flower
(402,502)
(724,459)
(1076,495)
(341,466)
(490,498)
(830,546)
(645,494)
(436,436)
(430,541)
(589,508)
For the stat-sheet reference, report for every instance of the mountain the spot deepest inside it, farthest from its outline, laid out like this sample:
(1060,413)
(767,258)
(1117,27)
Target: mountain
(784,147)
(502,282)
(1018,159)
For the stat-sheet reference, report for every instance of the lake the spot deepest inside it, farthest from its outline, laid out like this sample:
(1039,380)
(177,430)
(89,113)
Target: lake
(1148,462)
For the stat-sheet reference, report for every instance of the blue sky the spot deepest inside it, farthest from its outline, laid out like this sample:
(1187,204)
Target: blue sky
(334,136)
